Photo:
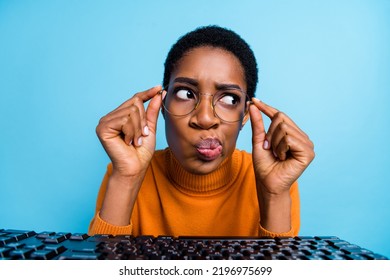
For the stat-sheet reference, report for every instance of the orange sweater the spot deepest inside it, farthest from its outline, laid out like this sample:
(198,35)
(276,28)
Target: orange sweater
(173,202)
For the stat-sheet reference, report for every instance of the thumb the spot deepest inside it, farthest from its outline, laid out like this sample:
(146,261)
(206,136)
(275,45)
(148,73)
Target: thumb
(152,111)
(258,131)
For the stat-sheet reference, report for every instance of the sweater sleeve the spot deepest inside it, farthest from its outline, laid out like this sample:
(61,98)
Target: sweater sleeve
(97,224)
(295,217)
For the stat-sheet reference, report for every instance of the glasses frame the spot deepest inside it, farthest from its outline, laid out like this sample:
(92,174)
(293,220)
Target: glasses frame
(248,100)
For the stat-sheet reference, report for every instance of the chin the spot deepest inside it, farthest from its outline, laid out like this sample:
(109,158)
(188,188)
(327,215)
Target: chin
(204,167)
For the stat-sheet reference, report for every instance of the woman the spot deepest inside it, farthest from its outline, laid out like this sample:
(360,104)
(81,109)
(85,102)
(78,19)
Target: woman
(201,184)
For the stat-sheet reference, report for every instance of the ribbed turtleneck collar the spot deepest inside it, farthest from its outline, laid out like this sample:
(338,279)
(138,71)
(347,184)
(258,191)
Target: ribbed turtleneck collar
(217,181)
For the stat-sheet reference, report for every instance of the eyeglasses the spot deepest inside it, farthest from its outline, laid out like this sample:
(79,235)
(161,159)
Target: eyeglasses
(229,105)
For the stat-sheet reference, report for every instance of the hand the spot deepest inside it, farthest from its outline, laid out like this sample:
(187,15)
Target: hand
(282,154)
(128,134)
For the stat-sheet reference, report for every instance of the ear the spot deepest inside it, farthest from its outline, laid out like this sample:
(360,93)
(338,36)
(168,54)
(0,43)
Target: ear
(245,119)
(163,93)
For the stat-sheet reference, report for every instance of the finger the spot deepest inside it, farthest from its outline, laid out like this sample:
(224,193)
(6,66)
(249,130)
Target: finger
(134,125)
(283,148)
(284,129)
(272,113)
(258,131)
(290,146)
(114,128)
(269,112)
(282,122)
(129,113)
(128,131)
(276,117)
(142,116)
(128,120)
(153,110)
(122,111)
(266,109)
(117,114)
(144,96)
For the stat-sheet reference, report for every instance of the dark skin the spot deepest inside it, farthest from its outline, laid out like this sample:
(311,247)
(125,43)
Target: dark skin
(128,134)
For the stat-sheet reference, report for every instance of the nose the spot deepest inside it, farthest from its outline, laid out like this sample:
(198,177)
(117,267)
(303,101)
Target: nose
(203,116)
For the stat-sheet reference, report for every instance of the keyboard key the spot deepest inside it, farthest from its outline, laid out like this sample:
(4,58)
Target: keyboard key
(374,256)
(68,255)
(57,249)
(94,250)
(54,239)
(28,233)
(18,236)
(258,256)
(4,252)
(64,234)
(334,257)
(339,243)
(236,256)
(79,236)
(21,253)
(316,257)
(45,234)
(350,249)
(356,257)
(326,238)
(6,239)
(215,256)
(15,245)
(43,255)
(100,237)
(35,247)
(307,238)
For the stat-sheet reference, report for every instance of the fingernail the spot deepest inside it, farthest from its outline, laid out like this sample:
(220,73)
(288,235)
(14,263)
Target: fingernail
(131,142)
(140,141)
(146,130)
(164,92)
(266,144)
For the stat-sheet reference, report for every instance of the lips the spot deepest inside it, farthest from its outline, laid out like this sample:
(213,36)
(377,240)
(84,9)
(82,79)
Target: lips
(209,149)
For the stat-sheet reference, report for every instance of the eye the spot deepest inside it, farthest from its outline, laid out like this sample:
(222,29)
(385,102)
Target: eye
(229,99)
(184,94)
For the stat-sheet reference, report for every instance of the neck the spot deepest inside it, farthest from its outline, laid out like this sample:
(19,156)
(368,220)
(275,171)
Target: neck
(208,184)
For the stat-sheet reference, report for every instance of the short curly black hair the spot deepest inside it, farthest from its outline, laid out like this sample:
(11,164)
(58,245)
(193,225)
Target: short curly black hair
(215,36)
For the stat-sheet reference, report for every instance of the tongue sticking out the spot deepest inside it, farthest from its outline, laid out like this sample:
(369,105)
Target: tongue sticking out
(209,149)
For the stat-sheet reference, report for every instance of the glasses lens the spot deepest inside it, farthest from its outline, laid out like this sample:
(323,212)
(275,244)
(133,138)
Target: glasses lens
(231,105)
(180,103)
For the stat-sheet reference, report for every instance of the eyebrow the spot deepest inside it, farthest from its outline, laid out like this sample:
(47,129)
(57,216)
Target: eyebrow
(186,80)
(228,86)
(195,82)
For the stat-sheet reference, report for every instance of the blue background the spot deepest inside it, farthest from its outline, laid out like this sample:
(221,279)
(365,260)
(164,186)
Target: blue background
(65,64)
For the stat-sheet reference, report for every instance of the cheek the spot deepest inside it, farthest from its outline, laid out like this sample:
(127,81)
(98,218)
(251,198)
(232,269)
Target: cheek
(175,133)
(231,136)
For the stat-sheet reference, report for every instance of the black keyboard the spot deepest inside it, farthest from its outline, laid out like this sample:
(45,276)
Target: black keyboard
(26,244)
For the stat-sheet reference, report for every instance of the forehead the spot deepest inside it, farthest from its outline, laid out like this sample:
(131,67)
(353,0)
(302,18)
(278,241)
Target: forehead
(210,64)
